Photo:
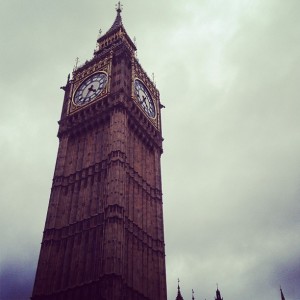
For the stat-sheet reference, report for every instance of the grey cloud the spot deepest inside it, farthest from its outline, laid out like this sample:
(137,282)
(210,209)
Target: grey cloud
(16,281)
(228,75)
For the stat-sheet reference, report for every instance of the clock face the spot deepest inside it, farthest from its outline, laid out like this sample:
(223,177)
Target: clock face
(144,98)
(90,88)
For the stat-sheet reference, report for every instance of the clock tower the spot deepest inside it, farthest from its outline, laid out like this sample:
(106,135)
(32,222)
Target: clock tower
(104,235)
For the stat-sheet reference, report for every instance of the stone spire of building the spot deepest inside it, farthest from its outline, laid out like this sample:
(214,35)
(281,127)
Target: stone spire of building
(179,297)
(281,293)
(118,21)
(115,36)
(218,295)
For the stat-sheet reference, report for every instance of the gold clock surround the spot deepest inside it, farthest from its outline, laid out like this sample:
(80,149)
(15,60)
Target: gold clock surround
(80,77)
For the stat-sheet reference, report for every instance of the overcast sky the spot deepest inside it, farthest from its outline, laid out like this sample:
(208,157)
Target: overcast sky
(229,75)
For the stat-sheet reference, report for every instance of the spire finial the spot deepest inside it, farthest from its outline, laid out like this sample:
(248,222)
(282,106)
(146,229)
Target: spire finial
(179,297)
(281,294)
(119,7)
(193,298)
(76,63)
(218,294)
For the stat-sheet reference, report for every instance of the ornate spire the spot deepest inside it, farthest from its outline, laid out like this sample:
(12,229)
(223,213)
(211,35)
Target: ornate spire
(218,294)
(281,293)
(119,7)
(179,297)
(115,35)
(118,21)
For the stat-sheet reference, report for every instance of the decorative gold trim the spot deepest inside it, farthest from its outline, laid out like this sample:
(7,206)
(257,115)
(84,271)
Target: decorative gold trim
(85,79)
(152,98)
(103,66)
(139,73)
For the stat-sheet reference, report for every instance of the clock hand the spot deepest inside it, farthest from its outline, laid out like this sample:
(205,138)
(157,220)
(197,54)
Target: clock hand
(91,89)
(146,102)
(87,93)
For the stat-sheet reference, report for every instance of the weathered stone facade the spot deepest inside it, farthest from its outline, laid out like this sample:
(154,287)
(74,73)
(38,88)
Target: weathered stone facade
(104,235)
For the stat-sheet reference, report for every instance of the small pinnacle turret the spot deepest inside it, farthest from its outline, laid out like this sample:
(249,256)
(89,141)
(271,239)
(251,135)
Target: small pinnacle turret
(281,293)
(218,295)
(179,297)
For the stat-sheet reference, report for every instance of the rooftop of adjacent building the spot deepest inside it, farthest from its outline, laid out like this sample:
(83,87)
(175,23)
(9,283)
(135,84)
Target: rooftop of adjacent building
(218,294)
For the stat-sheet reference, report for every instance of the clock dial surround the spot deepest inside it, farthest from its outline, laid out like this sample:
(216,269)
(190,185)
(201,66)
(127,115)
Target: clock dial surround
(90,88)
(144,98)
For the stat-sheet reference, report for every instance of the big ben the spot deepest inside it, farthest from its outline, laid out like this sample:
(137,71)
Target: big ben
(104,233)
